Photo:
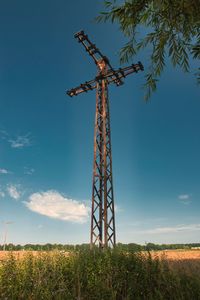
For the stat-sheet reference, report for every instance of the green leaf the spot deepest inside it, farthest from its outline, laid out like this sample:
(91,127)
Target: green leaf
(168,27)
(196,51)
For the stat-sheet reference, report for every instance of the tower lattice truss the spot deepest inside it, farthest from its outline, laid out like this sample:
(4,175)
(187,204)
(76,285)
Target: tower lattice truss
(102,231)
(103,213)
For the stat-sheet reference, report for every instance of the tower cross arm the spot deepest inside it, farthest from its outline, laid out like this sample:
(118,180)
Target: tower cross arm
(84,87)
(95,53)
(91,48)
(123,72)
(109,76)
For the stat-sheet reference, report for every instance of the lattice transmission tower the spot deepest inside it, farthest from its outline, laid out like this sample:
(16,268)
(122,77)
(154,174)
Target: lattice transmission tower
(102,212)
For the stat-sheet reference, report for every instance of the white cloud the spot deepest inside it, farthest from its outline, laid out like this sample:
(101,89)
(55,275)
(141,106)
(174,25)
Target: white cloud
(4,135)
(2,194)
(28,171)
(54,205)
(118,209)
(20,141)
(13,191)
(175,229)
(4,171)
(185,199)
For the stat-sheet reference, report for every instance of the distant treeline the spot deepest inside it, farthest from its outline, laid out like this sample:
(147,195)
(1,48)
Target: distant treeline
(151,246)
(132,247)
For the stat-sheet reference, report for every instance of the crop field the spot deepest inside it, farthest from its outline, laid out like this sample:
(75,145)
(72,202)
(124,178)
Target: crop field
(169,255)
(23,254)
(97,275)
(177,255)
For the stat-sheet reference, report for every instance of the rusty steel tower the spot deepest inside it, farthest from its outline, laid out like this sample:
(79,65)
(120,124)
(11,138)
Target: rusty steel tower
(103,212)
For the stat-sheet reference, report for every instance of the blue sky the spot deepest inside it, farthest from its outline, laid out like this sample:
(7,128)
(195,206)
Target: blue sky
(46,138)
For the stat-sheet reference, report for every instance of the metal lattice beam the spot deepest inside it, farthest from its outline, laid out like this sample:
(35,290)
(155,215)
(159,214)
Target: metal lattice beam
(103,215)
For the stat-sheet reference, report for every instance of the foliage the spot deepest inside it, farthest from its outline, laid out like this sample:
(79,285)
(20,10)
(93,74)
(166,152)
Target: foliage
(131,247)
(166,28)
(94,275)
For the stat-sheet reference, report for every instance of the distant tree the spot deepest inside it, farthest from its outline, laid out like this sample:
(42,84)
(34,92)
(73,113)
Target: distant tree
(168,28)
(151,246)
(132,247)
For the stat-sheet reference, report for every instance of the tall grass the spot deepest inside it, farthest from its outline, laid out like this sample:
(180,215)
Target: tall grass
(85,275)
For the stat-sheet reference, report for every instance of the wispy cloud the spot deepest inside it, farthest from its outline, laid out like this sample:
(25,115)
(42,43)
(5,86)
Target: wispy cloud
(2,194)
(54,205)
(14,191)
(118,209)
(185,198)
(4,171)
(40,226)
(144,222)
(20,141)
(28,171)
(4,134)
(174,229)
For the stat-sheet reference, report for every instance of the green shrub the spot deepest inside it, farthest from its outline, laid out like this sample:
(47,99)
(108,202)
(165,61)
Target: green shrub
(94,275)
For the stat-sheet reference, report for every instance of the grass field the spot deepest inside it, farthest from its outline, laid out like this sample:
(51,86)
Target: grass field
(109,275)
